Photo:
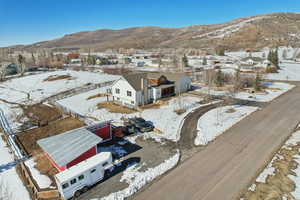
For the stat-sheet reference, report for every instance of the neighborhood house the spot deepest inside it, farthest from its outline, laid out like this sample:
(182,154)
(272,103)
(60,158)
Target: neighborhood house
(133,90)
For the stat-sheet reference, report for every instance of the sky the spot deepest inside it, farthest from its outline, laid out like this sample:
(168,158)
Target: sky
(29,21)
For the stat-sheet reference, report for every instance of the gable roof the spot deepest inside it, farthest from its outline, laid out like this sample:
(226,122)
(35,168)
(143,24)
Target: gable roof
(65,147)
(134,79)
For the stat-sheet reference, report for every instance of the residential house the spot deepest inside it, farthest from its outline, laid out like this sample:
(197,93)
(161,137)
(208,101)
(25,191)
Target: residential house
(136,89)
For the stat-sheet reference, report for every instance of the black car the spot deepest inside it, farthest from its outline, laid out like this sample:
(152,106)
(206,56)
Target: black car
(140,124)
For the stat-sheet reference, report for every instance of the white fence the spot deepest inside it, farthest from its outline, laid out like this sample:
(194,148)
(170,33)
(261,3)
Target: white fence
(10,136)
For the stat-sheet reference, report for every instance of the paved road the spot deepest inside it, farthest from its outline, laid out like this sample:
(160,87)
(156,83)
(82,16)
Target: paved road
(226,166)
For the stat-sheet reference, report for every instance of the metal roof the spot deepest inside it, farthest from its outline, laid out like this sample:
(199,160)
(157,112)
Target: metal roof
(65,147)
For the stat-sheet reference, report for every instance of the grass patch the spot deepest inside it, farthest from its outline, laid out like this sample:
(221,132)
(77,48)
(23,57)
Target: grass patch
(230,110)
(204,101)
(97,96)
(115,108)
(180,111)
(59,77)
(150,106)
(279,184)
(275,89)
(43,165)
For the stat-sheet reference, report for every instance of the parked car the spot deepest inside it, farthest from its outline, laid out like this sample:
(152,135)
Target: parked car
(140,124)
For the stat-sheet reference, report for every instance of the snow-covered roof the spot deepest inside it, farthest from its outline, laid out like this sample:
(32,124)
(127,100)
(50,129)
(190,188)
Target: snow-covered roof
(83,166)
(65,147)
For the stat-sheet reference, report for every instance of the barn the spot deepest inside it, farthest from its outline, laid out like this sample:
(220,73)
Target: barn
(72,147)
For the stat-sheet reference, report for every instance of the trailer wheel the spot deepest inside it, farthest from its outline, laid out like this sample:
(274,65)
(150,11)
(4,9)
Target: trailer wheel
(85,189)
(77,194)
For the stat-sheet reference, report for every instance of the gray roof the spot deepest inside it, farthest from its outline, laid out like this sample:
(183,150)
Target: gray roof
(134,79)
(65,147)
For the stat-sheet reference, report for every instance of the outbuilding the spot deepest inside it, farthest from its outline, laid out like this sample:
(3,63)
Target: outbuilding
(72,147)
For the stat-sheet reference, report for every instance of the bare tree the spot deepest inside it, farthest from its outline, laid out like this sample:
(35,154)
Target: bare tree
(21,64)
(2,71)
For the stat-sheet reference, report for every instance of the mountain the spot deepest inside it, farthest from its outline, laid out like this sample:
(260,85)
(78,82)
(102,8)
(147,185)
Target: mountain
(249,32)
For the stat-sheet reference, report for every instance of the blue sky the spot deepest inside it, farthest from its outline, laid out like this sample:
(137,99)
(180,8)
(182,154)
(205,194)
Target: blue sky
(28,21)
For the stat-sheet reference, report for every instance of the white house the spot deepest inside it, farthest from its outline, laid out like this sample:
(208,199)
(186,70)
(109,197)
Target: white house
(138,89)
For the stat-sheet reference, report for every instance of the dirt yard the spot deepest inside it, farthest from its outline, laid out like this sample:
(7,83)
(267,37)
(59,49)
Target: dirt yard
(41,114)
(28,138)
(114,108)
(58,77)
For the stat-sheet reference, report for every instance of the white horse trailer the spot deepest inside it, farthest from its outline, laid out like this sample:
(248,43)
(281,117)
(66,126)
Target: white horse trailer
(78,178)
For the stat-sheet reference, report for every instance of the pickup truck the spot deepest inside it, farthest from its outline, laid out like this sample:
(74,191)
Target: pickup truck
(139,124)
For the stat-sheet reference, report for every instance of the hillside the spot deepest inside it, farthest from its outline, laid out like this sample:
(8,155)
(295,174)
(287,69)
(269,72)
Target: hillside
(250,32)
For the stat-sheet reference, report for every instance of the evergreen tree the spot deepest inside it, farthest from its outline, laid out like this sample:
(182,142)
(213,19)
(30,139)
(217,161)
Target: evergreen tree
(33,59)
(204,62)
(219,80)
(185,61)
(276,59)
(220,51)
(273,58)
(257,82)
(237,80)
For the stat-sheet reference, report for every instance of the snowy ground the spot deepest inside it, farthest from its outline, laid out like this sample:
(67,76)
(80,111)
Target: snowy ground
(164,118)
(272,91)
(217,121)
(9,178)
(136,178)
(28,90)
(32,89)
(288,72)
(81,104)
(270,170)
(17,90)
(43,181)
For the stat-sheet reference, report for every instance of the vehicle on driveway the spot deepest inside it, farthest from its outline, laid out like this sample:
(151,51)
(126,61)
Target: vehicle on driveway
(139,124)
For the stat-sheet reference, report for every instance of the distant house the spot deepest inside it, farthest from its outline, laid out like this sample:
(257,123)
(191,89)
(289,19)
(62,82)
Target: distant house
(252,60)
(136,89)
(73,55)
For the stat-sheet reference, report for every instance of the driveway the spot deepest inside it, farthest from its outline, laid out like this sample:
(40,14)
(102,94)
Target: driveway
(223,169)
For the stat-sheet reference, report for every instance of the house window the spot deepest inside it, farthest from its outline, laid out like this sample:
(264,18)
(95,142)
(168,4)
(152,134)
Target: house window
(81,177)
(118,98)
(129,93)
(117,91)
(132,102)
(93,170)
(64,186)
(73,181)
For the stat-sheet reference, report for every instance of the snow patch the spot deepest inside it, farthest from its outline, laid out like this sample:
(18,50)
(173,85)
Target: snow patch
(217,121)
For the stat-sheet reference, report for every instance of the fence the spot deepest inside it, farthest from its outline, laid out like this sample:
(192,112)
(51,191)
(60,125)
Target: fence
(74,114)
(9,134)
(75,91)
(34,189)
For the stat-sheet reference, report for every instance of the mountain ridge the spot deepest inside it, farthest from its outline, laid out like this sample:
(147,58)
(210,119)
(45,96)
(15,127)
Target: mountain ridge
(253,32)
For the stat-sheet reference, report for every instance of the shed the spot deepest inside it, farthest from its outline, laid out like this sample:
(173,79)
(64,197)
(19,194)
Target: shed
(70,148)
